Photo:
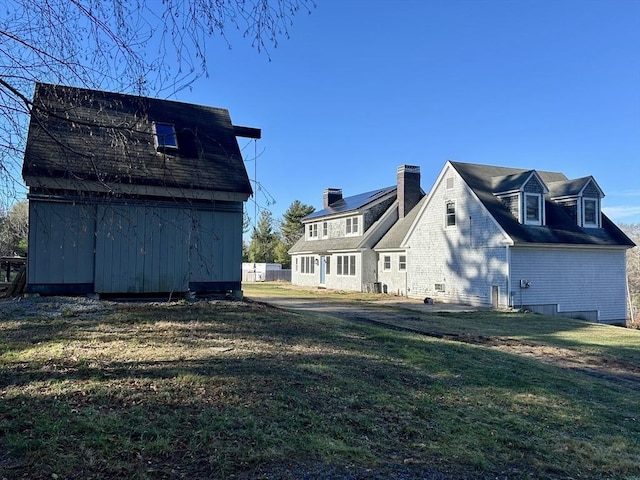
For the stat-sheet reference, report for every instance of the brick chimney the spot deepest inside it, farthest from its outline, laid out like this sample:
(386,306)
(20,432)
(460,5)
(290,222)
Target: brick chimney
(331,196)
(408,188)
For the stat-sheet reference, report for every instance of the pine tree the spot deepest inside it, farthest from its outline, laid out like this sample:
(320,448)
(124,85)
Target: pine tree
(292,228)
(263,240)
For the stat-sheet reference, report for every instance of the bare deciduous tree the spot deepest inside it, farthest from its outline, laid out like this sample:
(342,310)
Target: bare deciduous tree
(633,267)
(142,47)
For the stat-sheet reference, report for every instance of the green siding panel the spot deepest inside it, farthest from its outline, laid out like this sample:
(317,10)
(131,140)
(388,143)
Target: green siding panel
(61,243)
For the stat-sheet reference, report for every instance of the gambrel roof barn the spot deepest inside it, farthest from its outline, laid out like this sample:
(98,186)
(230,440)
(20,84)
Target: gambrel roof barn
(131,194)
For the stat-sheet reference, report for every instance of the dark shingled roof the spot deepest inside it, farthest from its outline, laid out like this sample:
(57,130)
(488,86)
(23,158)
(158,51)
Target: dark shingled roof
(86,135)
(509,183)
(568,188)
(353,203)
(393,238)
(560,228)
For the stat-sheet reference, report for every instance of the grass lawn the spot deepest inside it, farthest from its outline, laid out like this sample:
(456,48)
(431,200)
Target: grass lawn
(237,389)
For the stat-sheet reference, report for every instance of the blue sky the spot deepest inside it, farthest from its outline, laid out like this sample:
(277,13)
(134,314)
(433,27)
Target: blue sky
(361,87)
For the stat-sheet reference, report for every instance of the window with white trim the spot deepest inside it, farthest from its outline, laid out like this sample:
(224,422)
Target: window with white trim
(402,262)
(386,262)
(532,209)
(352,226)
(327,263)
(325,229)
(346,265)
(307,265)
(590,215)
(313,230)
(165,137)
(450,213)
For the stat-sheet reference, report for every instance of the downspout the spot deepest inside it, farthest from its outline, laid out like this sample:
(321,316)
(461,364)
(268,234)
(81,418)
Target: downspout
(508,257)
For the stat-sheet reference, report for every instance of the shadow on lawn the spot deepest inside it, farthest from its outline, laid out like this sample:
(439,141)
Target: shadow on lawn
(243,385)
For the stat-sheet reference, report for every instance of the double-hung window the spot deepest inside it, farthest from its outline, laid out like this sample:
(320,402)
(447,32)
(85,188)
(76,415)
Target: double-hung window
(450,213)
(402,262)
(346,265)
(532,209)
(590,212)
(307,265)
(386,264)
(352,225)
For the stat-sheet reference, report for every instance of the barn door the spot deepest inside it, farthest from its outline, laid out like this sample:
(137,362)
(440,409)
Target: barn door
(141,249)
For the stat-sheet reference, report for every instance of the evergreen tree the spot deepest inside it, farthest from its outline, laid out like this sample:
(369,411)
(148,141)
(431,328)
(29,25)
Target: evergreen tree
(263,240)
(292,228)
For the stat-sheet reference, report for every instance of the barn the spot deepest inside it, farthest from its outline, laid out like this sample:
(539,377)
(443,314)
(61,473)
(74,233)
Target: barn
(132,195)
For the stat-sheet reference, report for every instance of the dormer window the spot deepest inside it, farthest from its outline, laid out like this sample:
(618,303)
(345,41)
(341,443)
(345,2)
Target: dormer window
(352,226)
(532,209)
(590,216)
(523,193)
(581,199)
(313,230)
(165,136)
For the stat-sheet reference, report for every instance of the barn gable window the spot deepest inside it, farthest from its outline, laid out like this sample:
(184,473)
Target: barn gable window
(165,136)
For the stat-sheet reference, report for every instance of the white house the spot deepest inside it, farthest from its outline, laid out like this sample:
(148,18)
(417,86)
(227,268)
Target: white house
(506,237)
(336,250)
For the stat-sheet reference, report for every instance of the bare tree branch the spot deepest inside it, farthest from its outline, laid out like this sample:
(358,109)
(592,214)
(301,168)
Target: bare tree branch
(103,44)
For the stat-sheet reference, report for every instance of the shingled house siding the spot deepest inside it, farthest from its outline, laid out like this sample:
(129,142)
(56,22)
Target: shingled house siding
(304,279)
(393,280)
(465,261)
(582,283)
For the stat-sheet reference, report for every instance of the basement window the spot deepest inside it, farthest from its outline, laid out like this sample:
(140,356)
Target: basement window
(165,136)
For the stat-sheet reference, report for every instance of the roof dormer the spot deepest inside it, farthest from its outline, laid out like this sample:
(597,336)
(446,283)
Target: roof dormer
(523,194)
(581,198)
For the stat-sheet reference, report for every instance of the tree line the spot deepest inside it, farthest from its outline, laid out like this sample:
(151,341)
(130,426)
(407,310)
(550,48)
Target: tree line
(633,269)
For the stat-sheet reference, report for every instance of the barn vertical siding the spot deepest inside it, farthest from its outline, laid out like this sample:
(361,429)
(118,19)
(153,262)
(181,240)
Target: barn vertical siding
(574,280)
(216,246)
(461,263)
(61,245)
